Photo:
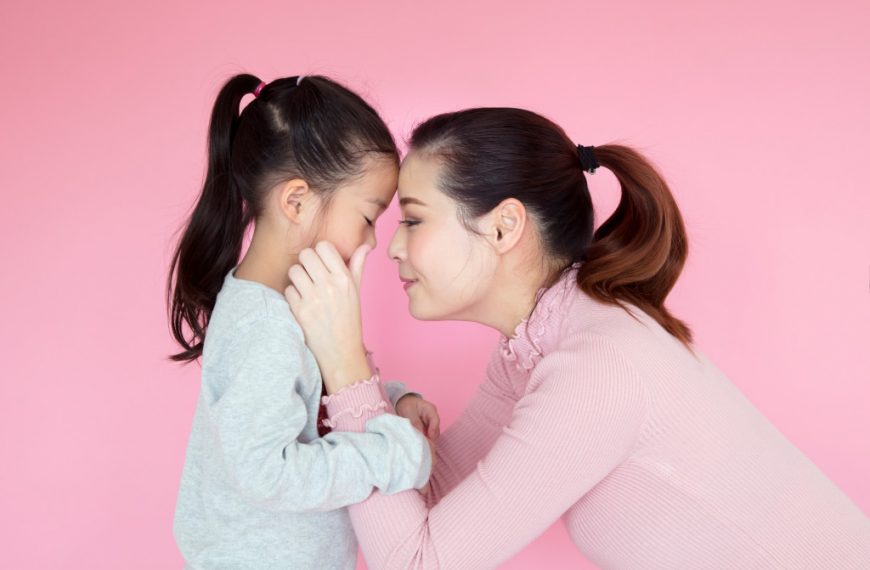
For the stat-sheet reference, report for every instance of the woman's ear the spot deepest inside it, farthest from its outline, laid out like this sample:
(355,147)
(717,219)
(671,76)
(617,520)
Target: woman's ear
(506,223)
(294,195)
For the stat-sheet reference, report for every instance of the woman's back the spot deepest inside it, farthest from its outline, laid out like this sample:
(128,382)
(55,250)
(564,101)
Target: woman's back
(709,479)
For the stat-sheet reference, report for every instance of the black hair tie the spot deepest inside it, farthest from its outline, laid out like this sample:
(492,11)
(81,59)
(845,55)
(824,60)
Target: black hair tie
(587,158)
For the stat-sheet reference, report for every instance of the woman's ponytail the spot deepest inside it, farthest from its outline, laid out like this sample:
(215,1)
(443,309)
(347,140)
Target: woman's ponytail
(637,254)
(212,239)
(491,154)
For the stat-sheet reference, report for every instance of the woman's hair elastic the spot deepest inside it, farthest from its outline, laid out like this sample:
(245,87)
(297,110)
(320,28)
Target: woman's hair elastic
(259,88)
(587,158)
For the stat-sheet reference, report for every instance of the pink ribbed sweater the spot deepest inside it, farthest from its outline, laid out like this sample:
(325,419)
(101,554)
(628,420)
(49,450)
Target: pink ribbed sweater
(646,451)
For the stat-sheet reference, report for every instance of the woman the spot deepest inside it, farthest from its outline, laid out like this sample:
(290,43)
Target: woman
(596,406)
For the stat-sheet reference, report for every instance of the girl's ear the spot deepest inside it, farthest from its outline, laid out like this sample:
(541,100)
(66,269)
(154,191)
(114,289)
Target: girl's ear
(504,225)
(294,194)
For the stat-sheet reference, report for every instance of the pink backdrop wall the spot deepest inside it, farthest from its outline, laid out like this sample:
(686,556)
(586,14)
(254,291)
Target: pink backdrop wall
(756,111)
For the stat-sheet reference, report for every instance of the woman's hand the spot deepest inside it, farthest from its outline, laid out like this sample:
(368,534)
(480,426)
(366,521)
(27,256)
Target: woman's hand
(422,413)
(427,487)
(324,297)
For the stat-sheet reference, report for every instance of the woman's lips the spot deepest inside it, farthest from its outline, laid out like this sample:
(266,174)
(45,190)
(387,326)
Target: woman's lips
(407,283)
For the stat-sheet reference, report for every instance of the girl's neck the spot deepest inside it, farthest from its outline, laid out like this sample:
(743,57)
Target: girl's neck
(266,265)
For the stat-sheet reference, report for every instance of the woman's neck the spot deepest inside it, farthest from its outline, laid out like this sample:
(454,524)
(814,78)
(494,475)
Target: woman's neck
(515,291)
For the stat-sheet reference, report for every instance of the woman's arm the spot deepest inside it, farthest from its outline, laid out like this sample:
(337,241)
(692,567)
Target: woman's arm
(578,421)
(468,439)
(473,434)
(259,418)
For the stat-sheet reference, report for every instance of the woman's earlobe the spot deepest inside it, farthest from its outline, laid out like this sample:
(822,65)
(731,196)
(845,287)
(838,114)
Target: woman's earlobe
(507,221)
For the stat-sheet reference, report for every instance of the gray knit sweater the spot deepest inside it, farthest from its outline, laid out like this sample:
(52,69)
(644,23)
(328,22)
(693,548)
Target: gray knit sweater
(259,488)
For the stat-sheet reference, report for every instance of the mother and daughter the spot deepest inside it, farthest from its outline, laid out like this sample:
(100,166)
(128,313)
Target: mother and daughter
(596,407)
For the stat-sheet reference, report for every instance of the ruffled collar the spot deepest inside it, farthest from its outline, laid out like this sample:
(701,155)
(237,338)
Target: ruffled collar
(536,332)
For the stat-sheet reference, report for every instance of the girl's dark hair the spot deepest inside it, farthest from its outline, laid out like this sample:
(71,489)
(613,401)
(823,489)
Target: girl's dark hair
(488,155)
(314,129)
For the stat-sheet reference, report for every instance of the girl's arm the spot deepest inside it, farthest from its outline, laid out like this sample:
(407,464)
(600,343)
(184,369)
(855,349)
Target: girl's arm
(579,420)
(468,439)
(260,415)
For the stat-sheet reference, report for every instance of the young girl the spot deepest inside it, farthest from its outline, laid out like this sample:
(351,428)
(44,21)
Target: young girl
(306,160)
(596,407)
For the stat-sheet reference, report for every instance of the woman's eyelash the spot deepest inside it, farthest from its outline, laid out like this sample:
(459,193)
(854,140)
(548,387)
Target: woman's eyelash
(409,223)
(368,221)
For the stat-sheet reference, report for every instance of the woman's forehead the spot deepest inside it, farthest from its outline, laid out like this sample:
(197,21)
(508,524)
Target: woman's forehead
(418,177)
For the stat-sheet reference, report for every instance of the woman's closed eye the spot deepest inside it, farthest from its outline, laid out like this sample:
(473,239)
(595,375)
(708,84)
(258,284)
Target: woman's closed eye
(409,222)
(369,221)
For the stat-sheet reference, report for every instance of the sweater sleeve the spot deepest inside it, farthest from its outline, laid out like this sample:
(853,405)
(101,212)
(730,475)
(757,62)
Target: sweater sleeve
(259,418)
(393,391)
(578,420)
(467,440)
(463,444)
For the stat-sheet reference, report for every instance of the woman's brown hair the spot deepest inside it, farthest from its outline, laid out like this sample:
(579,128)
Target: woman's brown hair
(635,256)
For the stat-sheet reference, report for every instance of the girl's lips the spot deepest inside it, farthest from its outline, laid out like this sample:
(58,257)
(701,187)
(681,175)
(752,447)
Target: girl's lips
(407,283)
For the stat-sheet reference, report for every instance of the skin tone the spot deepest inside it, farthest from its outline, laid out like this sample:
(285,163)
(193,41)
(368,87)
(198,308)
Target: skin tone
(294,217)
(489,274)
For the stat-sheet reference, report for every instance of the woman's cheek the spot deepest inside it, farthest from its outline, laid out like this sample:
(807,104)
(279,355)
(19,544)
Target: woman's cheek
(416,251)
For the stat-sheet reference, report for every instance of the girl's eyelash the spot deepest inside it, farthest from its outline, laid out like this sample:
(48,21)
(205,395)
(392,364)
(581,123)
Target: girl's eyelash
(368,221)
(409,223)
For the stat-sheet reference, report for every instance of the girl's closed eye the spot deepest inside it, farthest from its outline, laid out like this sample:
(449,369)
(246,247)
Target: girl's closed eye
(409,222)
(369,221)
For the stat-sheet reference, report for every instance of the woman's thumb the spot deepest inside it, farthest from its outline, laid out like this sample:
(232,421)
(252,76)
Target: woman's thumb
(357,263)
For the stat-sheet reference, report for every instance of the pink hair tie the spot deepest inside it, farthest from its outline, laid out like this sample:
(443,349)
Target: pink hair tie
(259,88)
(299,80)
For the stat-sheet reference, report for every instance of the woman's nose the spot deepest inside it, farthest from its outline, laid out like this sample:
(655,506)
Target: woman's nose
(396,250)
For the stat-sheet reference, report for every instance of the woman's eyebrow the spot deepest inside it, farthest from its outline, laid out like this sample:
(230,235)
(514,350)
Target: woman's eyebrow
(409,200)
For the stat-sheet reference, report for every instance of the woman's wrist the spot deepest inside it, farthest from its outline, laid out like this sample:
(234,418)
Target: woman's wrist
(351,407)
(349,369)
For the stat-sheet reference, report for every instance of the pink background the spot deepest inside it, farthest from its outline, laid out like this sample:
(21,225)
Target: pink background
(756,111)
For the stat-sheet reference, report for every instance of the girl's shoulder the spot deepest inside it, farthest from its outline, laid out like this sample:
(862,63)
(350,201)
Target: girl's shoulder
(246,313)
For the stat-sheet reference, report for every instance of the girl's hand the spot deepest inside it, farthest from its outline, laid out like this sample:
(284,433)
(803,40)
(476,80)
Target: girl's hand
(422,413)
(324,297)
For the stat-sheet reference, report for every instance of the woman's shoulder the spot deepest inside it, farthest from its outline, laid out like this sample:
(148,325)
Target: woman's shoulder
(637,337)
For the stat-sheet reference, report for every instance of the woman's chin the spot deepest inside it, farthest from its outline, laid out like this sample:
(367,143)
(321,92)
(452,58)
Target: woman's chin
(419,312)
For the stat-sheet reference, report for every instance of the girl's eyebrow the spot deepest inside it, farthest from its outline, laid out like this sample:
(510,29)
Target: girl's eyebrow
(409,200)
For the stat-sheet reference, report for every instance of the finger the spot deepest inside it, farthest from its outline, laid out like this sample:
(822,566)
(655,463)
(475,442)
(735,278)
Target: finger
(331,258)
(357,263)
(434,425)
(301,280)
(314,265)
(292,295)
(419,425)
